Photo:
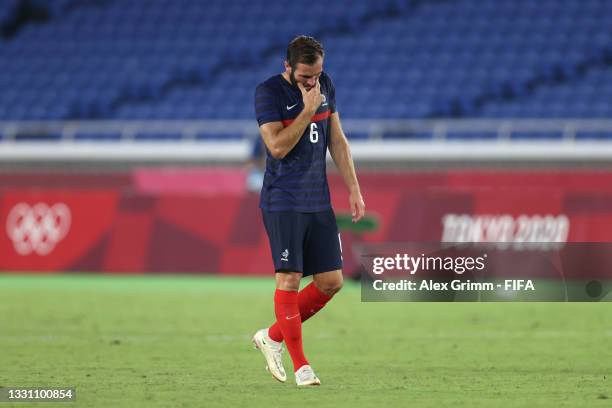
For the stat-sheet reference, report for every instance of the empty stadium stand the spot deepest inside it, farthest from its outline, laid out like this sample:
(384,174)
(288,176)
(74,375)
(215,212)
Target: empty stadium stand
(390,59)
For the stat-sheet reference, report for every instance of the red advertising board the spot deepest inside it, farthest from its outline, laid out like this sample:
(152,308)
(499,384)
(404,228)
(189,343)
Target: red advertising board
(130,224)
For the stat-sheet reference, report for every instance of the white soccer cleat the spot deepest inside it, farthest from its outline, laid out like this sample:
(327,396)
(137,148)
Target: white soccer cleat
(272,352)
(305,377)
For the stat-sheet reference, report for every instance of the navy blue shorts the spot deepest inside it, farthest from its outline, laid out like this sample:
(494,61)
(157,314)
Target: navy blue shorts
(303,242)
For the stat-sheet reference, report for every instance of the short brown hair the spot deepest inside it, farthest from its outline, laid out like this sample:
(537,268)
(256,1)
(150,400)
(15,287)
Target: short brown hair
(305,50)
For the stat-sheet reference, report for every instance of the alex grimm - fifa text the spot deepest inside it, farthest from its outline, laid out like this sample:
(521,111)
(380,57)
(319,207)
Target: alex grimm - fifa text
(466,272)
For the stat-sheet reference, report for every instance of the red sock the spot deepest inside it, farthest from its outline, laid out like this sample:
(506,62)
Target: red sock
(310,301)
(290,322)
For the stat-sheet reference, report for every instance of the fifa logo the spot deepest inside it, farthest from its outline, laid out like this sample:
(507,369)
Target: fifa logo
(285,255)
(38,228)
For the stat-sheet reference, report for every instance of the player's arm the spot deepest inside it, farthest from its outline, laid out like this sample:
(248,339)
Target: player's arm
(279,139)
(341,154)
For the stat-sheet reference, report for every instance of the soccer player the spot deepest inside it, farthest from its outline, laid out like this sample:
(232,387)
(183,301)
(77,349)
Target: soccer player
(298,121)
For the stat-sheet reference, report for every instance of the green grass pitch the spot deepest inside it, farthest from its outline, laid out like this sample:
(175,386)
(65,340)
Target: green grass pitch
(184,341)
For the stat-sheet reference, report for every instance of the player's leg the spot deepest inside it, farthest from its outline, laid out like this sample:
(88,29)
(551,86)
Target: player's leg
(286,234)
(313,298)
(323,252)
(289,320)
(328,283)
(288,316)
(323,260)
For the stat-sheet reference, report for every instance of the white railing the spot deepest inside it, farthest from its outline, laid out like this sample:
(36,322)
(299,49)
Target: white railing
(414,140)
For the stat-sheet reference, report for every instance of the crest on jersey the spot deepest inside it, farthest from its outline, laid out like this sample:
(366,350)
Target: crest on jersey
(285,255)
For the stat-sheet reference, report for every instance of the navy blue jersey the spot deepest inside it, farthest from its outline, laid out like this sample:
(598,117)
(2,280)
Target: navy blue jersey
(298,181)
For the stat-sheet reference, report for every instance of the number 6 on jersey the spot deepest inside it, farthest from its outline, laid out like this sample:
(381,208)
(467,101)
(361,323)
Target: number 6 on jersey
(314,135)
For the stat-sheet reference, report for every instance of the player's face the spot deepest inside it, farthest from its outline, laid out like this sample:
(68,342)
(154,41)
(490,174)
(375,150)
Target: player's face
(305,74)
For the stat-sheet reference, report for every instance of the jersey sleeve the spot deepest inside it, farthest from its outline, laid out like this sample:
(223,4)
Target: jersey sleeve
(331,94)
(266,106)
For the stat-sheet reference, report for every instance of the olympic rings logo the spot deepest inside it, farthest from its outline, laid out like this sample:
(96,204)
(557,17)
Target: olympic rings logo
(38,228)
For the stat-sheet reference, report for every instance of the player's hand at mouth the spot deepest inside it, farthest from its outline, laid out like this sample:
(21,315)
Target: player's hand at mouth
(312,98)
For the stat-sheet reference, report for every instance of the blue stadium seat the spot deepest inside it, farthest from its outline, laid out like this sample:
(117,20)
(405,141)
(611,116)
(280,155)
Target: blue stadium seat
(389,59)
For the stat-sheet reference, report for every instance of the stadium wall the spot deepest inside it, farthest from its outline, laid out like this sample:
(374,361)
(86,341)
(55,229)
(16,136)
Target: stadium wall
(202,220)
